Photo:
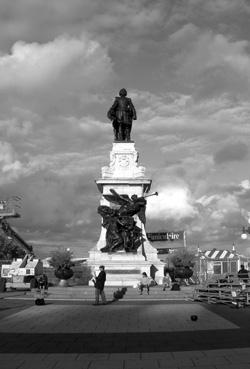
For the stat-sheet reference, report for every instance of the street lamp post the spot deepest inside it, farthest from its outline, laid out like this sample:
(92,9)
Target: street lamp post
(201,270)
(245,232)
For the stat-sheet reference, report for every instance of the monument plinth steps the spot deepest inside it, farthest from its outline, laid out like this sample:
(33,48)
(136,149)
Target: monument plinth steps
(86,293)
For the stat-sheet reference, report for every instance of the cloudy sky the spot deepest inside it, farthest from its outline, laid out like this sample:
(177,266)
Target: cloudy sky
(186,66)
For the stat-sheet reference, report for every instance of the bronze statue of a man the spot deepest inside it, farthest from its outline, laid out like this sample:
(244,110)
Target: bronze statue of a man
(122,113)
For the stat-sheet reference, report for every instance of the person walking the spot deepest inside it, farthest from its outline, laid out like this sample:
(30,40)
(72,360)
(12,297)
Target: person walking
(99,282)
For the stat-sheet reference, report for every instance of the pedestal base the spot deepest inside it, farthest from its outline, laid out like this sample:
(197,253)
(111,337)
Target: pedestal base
(125,269)
(126,177)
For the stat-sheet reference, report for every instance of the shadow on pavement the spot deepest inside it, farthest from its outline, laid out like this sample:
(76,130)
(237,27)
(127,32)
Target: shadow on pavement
(122,342)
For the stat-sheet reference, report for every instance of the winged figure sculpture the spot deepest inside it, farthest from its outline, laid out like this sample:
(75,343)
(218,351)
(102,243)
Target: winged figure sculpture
(121,229)
(128,206)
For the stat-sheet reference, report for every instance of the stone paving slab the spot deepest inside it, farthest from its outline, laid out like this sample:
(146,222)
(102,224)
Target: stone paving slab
(216,359)
(121,328)
(181,344)
(116,318)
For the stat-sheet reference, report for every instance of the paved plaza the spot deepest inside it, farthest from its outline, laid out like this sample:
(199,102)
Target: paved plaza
(126,334)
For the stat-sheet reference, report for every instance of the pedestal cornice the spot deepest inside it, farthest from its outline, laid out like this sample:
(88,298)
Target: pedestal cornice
(145,183)
(123,162)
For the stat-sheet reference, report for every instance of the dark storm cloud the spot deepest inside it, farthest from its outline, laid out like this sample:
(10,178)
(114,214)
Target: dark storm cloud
(231,152)
(186,65)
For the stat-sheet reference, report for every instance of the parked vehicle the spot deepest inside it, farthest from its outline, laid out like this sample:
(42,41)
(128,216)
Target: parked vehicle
(21,272)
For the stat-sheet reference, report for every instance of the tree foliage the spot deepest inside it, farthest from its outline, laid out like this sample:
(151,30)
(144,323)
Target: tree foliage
(183,258)
(9,250)
(61,258)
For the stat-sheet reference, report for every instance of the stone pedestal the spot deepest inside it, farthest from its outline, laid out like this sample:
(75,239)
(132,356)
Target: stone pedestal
(125,176)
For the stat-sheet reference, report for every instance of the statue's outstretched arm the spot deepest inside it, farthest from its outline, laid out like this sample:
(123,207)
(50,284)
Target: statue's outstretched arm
(112,110)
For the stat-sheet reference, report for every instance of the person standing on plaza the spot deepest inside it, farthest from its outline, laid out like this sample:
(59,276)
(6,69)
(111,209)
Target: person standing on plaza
(99,283)
(243,274)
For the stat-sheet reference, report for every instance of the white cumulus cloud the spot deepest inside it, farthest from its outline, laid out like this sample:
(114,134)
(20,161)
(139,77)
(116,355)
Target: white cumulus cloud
(10,166)
(35,65)
(171,202)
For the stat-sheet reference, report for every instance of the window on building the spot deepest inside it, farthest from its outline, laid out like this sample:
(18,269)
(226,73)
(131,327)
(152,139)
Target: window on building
(217,267)
(224,267)
(233,266)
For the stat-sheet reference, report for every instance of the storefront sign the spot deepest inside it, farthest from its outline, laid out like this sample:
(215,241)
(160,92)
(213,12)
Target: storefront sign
(166,236)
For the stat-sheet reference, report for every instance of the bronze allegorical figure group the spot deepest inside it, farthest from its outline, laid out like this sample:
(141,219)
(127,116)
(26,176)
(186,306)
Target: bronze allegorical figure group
(122,232)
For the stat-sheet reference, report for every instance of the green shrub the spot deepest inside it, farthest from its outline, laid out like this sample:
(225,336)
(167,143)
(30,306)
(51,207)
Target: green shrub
(183,258)
(60,258)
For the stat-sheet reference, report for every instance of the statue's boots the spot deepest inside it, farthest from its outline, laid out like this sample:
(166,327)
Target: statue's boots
(127,133)
(116,135)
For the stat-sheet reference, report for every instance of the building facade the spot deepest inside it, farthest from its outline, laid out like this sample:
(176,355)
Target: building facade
(216,263)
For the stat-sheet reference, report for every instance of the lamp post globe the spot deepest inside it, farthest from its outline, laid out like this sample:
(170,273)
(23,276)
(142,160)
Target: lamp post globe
(244,236)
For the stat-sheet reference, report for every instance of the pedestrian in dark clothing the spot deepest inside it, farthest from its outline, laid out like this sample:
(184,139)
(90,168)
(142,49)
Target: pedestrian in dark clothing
(243,274)
(99,282)
(42,281)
